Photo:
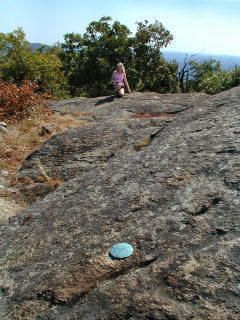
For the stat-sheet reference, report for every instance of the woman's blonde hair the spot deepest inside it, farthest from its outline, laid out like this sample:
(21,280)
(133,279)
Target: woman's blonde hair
(120,64)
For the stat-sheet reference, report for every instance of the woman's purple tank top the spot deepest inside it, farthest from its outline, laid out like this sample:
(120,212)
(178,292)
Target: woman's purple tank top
(119,77)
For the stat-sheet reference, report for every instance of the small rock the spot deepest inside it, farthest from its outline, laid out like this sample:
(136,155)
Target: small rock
(3,124)
(47,129)
(4,173)
(3,129)
(85,118)
(121,250)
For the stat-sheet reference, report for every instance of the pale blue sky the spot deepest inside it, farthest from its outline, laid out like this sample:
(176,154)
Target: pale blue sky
(206,26)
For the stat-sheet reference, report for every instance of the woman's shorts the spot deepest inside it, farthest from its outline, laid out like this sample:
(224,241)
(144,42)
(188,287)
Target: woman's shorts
(122,85)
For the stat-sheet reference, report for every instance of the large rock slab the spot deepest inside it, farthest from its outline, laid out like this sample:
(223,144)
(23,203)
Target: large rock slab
(118,129)
(110,107)
(174,199)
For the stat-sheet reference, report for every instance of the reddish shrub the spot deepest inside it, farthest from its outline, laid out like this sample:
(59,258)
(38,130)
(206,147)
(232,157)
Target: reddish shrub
(17,102)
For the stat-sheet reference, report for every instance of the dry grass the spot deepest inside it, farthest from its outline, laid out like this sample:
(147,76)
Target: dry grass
(64,112)
(82,113)
(53,182)
(142,143)
(24,137)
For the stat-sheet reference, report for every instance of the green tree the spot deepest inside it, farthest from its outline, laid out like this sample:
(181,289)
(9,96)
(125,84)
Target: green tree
(209,77)
(236,76)
(45,69)
(154,73)
(199,70)
(18,61)
(15,52)
(89,59)
(216,82)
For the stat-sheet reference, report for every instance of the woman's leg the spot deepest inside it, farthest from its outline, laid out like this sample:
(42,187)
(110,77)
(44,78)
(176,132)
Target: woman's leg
(117,87)
(121,92)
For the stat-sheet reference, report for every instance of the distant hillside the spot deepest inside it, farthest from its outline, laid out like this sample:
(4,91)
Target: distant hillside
(37,45)
(227,61)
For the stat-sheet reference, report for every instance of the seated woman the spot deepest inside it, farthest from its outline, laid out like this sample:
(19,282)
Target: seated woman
(119,79)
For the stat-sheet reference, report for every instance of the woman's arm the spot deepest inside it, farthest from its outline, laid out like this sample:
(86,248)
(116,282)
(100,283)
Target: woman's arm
(126,82)
(113,77)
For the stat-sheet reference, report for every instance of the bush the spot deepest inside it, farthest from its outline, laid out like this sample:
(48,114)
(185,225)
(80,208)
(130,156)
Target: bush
(236,76)
(207,76)
(18,61)
(216,82)
(17,102)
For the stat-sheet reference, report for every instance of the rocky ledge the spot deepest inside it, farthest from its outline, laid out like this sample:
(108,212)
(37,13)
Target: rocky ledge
(158,172)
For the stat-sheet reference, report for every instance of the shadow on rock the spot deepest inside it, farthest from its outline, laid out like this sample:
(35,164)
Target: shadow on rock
(108,99)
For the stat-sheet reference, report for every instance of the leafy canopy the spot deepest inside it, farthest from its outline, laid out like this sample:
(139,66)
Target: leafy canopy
(18,61)
(83,63)
(89,59)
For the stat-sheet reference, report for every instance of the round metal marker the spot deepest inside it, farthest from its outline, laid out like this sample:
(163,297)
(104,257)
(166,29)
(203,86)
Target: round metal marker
(121,250)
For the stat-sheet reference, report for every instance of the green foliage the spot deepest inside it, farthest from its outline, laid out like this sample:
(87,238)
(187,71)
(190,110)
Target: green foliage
(236,76)
(83,64)
(154,73)
(200,70)
(215,82)
(209,77)
(19,62)
(158,76)
(89,59)
(15,54)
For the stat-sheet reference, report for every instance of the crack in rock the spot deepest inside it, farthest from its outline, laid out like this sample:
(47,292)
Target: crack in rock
(51,297)
(229,151)
(205,207)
